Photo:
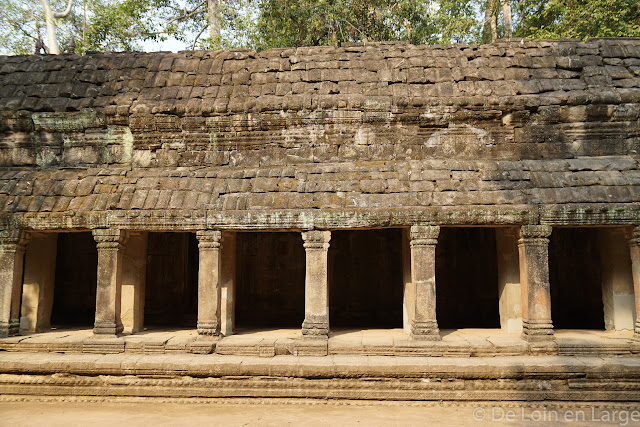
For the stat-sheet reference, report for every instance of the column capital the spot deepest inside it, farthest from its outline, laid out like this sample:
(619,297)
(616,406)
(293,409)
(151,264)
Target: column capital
(14,238)
(634,236)
(535,231)
(109,238)
(316,239)
(209,239)
(424,235)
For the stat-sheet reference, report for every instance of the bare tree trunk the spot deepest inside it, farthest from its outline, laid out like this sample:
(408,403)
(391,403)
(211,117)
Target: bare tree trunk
(51,26)
(506,18)
(214,23)
(489,25)
(494,25)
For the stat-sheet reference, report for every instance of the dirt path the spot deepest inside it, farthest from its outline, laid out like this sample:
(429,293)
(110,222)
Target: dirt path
(273,412)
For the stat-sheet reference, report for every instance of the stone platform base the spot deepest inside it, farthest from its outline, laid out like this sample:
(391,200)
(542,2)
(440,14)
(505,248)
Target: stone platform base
(513,378)
(282,342)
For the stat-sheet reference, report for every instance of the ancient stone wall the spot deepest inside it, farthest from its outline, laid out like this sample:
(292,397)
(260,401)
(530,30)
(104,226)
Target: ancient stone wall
(334,137)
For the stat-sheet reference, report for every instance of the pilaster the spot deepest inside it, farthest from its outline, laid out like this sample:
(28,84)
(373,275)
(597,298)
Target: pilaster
(533,249)
(316,295)
(423,241)
(228,281)
(12,248)
(110,244)
(634,248)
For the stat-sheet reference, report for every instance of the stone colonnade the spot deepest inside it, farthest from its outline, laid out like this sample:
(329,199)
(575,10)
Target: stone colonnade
(217,268)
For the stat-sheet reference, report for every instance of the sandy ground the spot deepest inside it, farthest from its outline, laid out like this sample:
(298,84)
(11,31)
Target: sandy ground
(264,412)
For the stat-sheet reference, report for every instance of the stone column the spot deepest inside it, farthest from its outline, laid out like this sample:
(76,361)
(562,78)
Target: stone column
(423,272)
(509,279)
(12,247)
(38,282)
(316,284)
(134,275)
(227,281)
(634,247)
(209,282)
(408,300)
(533,248)
(617,280)
(110,244)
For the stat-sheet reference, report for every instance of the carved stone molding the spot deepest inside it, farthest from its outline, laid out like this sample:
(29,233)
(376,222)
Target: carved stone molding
(109,238)
(316,239)
(209,239)
(424,235)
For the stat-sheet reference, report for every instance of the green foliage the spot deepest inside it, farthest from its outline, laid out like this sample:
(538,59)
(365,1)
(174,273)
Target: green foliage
(577,18)
(327,22)
(123,25)
(113,25)
(13,39)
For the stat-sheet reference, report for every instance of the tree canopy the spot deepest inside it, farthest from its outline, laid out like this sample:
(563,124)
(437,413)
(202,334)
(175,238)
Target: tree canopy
(113,25)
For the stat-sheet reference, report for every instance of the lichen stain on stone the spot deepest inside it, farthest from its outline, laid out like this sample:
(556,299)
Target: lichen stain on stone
(64,122)
(117,136)
(45,156)
(459,139)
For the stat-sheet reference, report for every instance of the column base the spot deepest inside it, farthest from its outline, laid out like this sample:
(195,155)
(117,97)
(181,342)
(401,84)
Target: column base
(9,329)
(208,329)
(107,328)
(14,327)
(425,331)
(540,336)
(4,330)
(315,329)
(537,331)
(204,344)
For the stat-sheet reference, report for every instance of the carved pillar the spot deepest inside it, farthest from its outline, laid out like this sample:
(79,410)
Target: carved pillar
(134,278)
(509,289)
(110,244)
(209,282)
(634,247)
(316,282)
(423,272)
(38,282)
(12,247)
(533,248)
(228,283)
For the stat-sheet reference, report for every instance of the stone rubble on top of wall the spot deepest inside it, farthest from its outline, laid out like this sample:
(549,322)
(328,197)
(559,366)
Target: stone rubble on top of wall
(377,77)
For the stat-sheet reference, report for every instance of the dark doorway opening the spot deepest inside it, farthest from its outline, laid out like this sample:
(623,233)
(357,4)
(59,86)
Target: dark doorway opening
(171,291)
(74,293)
(269,280)
(467,278)
(575,277)
(365,279)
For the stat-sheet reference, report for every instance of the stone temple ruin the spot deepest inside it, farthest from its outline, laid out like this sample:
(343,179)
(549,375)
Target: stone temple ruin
(417,191)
